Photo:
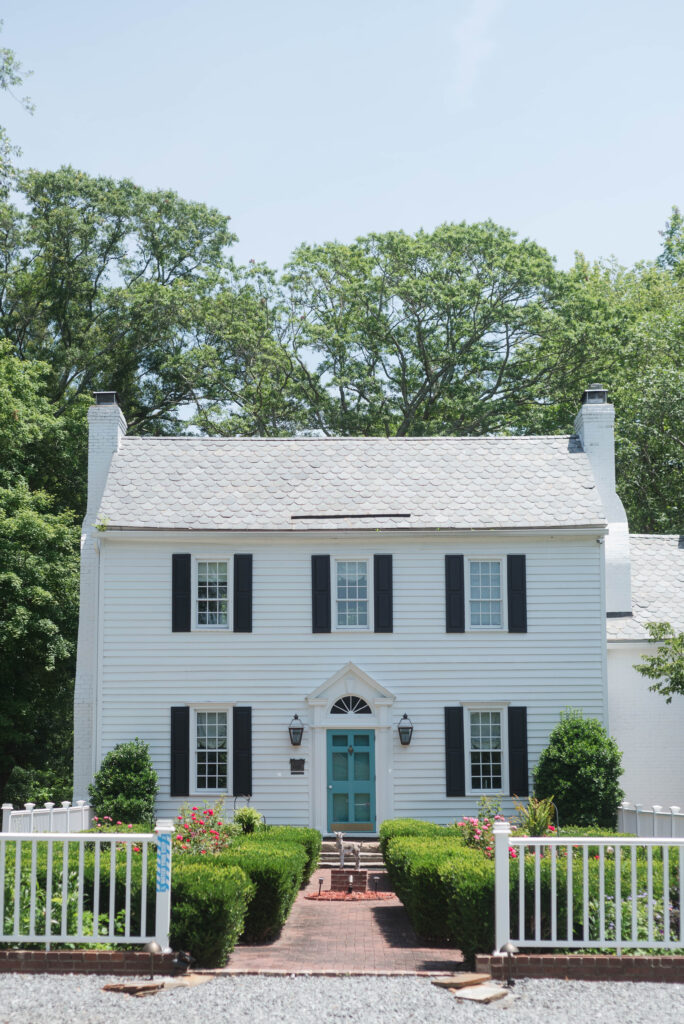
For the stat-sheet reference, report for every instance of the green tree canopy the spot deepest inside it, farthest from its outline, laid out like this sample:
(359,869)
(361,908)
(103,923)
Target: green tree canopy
(431,333)
(38,578)
(666,666)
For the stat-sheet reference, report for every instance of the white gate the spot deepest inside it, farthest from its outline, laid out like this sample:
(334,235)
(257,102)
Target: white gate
(54,910)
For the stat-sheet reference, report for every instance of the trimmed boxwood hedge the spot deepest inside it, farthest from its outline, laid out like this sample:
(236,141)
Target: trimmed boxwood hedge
(277,870)
(309,838)
(209,902)
(394,827)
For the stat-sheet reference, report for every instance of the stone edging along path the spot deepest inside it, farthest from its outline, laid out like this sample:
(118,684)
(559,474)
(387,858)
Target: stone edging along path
(585,967)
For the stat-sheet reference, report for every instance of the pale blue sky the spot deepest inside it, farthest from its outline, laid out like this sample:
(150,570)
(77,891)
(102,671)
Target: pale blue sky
(307,120)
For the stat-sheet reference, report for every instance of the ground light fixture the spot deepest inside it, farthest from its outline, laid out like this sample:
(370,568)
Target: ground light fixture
(405,729)
(509,949)
(296,730)
(154,949)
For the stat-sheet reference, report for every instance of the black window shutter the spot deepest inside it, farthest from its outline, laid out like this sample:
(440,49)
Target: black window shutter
(455,594)
(517,594)
(242,751)
(320,593)
(454,751)
(242,593)
(180,751)
(382,593)
(180,593)
(517,752)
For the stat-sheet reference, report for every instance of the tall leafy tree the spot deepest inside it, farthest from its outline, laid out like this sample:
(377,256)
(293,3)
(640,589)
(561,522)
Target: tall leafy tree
(623,328)
(418,334)
(106,282)
(38,577)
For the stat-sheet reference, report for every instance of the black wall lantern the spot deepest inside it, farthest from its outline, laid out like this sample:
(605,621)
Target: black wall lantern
(405,728)
(296,730)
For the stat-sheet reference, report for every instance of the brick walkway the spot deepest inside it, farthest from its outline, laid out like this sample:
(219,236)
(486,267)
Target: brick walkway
(344,937)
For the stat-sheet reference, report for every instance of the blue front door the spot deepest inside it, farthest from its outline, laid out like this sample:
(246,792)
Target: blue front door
(351,780)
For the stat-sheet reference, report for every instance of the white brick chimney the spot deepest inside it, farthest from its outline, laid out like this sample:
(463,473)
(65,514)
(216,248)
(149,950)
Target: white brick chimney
(106,428)
(594,424)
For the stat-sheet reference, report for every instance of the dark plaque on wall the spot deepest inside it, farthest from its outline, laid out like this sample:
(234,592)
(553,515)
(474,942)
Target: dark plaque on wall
(297,766)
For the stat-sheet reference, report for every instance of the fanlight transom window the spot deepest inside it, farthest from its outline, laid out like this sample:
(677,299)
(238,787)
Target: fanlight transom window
(350,705)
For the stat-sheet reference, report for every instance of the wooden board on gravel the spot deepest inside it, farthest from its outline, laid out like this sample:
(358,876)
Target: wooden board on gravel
(460,979)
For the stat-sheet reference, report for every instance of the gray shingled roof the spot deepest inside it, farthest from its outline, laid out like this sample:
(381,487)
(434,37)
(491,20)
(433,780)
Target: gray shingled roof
(657,585)
(388,483)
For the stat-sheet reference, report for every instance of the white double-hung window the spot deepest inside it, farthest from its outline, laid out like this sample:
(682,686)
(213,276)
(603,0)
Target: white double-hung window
(486,742)
(485,593)
(211,750)
(212,593)
(351,593)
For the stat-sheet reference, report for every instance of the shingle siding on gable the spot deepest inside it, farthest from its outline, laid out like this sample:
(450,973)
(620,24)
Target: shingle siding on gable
(147,669)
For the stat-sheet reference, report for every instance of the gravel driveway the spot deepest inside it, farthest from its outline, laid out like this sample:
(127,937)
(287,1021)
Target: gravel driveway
(72,999)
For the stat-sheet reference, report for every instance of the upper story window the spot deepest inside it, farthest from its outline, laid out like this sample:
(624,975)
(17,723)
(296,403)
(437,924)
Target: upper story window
(211,750)
(485,593)
(351,591)
(212,593)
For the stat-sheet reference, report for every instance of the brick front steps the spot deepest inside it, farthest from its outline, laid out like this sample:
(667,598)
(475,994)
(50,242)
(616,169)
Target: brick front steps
(582,967)
(85,961)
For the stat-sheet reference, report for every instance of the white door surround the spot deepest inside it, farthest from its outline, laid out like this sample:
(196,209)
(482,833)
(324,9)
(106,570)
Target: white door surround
(348,680)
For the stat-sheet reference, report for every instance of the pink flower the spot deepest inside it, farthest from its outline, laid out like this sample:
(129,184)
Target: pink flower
(194,808)
(210,812)
(129,826)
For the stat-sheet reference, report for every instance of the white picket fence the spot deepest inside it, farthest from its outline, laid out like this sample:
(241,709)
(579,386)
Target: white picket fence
(651,821)
(605,921)
(66,817)
(55,911)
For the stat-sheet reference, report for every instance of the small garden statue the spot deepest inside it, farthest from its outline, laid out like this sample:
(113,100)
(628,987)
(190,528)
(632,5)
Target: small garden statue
(353,848)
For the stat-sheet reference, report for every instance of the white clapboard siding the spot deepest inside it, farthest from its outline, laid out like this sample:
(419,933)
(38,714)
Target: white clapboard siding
(145,668)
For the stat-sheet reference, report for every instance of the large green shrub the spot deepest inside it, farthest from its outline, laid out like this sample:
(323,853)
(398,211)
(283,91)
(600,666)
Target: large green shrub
(125,784)
(581,769)
(209,904)
(277,870)
(308,838)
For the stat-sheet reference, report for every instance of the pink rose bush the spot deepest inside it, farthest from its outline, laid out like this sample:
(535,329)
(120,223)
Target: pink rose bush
(203,830)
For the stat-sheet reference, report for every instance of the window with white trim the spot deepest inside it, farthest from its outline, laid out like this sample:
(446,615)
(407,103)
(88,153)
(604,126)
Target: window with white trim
(485,593)
(211,590)
(210,745)
(486,750)
(351,593)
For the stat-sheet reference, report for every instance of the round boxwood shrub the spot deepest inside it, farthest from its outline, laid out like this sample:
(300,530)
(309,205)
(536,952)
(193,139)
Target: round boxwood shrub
(581,769)
(125,784)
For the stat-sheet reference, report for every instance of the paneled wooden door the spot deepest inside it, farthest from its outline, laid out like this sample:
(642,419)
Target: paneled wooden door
(351,780)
